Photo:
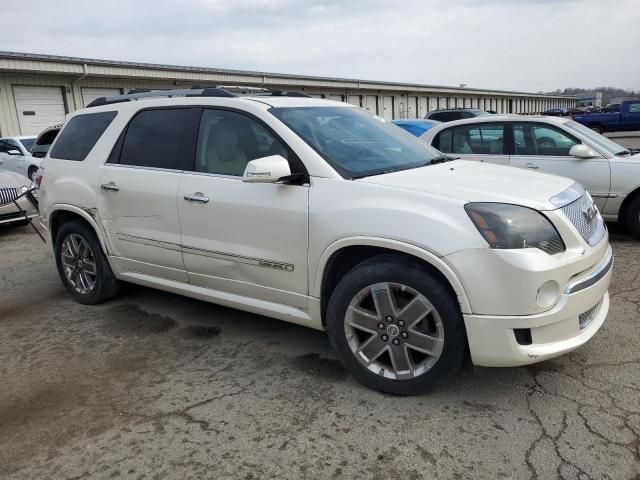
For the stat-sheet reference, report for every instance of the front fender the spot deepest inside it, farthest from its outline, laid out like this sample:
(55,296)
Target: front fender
(413,250)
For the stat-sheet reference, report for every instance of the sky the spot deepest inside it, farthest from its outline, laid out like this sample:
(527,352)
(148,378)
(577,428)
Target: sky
(524,45)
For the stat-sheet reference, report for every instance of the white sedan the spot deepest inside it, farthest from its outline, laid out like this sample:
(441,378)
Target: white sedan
(556,145)
(12,185)
(15,152)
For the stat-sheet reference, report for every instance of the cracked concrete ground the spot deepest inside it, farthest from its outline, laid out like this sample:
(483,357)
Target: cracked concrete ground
(152,385)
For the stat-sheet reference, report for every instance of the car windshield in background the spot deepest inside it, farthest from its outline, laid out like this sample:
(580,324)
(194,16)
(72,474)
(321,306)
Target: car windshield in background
(27,143)
(354,142)
(600,140)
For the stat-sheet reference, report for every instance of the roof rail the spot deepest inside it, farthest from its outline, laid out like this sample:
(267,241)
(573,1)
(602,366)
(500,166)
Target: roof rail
(230,91)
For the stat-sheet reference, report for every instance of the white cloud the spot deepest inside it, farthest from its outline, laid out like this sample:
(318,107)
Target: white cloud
(528,45)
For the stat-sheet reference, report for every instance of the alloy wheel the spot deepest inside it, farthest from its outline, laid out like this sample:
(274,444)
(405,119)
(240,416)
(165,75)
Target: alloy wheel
(394,331)
(79,263)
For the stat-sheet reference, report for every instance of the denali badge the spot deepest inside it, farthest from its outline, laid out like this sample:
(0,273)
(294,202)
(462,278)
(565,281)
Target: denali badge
(590,213)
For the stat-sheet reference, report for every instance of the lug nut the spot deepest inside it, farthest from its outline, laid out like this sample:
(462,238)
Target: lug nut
(384,338)
(396,341)
(401,323)
(404,334)
(388,318)
(381,326)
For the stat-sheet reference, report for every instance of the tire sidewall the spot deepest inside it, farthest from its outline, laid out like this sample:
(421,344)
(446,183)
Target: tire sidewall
(398,270)
(632,218)
(89,236)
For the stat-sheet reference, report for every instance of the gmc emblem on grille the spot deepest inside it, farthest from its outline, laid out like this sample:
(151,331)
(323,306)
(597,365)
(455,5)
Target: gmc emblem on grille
(590,213)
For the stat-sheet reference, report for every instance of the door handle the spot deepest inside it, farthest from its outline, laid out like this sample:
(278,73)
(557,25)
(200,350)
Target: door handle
(196,197)
(110,186)
(532,166)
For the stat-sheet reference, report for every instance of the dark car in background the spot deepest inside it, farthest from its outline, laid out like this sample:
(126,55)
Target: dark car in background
(627,118)
(555,112)
(416,126)
(452,114)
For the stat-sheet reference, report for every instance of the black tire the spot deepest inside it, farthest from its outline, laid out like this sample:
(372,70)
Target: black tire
(32,173)
(106,285)
(632,217)
(596,128)
(398,269)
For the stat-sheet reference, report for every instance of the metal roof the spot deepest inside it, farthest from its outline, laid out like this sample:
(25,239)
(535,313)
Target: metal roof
(353,83)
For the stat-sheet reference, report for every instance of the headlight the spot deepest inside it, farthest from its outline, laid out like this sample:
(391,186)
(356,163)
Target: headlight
(508,226)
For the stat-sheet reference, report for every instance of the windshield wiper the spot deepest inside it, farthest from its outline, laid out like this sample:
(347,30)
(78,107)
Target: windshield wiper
(442,159)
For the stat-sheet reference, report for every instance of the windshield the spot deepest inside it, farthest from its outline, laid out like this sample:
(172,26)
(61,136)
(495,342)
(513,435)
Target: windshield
(354,142)
(603,142)
(28,143)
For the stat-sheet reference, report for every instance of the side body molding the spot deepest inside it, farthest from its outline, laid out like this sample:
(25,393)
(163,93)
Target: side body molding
(315,280)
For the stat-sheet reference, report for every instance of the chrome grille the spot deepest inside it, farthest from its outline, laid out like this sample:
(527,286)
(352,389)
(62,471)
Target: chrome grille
(585,318)
(8,195)
(591,230)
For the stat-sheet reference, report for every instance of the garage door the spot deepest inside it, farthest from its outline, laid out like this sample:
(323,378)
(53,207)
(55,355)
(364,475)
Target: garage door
(89,94)
(38,108)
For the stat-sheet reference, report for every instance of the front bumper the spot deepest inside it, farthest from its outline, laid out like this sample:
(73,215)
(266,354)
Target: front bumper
(574,319)
(9,213)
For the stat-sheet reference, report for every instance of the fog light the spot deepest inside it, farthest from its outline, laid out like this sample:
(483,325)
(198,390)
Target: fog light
(548,294)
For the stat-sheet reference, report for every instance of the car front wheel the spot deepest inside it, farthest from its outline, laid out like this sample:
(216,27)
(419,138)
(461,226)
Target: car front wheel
(395,326)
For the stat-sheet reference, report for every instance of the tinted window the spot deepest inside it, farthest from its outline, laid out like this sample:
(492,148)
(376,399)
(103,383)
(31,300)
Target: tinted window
(485,138)
(154,138)
(5,146)
(537,139)
(79,136)
(445,116)
(227,141)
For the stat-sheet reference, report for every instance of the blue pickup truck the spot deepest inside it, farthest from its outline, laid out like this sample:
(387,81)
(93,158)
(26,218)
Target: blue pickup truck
(626,119)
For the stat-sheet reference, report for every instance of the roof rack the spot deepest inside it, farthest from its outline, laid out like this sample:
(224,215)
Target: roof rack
(196,91)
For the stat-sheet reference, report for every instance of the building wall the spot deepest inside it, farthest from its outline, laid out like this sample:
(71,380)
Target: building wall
(71,78)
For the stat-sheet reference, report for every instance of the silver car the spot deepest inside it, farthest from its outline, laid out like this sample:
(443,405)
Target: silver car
(12,185)
(556,145)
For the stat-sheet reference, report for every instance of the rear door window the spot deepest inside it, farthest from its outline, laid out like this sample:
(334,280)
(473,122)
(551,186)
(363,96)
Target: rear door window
(478,139)
(80,135)
(156,139)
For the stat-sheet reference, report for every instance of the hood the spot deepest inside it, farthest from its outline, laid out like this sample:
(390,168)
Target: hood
(479,182)
(11,179)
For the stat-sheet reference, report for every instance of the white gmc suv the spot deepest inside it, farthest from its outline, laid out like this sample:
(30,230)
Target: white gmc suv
(321,214)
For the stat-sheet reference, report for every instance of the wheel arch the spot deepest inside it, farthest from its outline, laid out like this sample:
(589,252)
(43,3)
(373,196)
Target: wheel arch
(344,254)
(626,202)
(61,214)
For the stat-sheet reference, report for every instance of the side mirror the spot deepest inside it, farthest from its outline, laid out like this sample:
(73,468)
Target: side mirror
(266,170)
(581,151)
(14,152)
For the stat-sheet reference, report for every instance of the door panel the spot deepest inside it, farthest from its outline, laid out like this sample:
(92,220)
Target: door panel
(248,239)
(545,148)
(141,219)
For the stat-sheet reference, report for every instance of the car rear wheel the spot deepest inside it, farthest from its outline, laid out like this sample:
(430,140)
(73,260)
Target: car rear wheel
(596,128)
(395,326)
(632,217)
(82,266)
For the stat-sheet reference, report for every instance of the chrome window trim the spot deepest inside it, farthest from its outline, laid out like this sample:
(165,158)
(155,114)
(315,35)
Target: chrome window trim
(600,272)
(139,167)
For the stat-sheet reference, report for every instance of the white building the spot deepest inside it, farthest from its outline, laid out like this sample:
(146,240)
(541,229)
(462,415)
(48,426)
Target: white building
(37,91)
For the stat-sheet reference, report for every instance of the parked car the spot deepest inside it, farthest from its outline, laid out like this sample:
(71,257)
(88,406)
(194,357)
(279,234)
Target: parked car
(12,185)
(555,112)
(416,126)
(560,146)
(318,213)
(16,156)
(44,140)
(627,118)
(451,114)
